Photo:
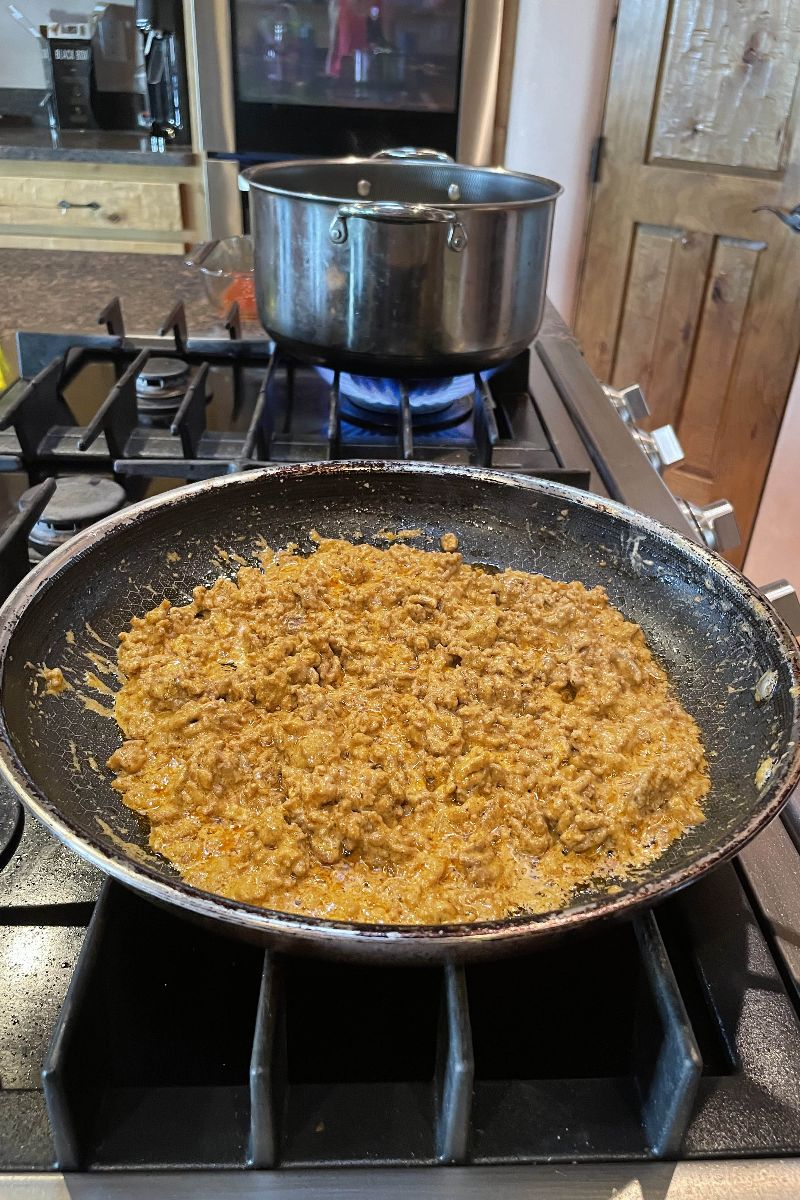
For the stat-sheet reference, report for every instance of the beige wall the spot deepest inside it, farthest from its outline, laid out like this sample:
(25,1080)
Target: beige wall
(563,51)
(774,551)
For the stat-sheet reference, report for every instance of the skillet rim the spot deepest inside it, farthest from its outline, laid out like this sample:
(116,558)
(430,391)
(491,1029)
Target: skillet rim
(463,940)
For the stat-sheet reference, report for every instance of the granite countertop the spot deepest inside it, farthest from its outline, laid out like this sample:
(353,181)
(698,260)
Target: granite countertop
(64,290)
(34,143)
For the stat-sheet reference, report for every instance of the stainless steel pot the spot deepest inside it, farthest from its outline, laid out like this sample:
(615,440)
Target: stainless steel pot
(405,263)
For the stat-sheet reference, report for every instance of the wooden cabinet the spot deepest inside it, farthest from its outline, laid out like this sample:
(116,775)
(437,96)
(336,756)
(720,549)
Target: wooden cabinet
(100,206)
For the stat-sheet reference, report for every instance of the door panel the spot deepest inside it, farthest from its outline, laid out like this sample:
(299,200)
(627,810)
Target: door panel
(729,72)
(651,254)
(685,289)
(678,317)
(707,384)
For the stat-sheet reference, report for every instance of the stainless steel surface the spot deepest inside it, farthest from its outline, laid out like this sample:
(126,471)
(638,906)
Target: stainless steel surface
(480,66)
(409,281)
(716,523)
(621,463)
(223,201)
(784,599)
(763,1179)
(211,76)
(563,434)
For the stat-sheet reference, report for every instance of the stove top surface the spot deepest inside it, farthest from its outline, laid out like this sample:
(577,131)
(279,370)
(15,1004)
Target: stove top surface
(132,1041)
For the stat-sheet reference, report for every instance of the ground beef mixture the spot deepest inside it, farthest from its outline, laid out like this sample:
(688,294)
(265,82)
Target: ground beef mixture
(390,735)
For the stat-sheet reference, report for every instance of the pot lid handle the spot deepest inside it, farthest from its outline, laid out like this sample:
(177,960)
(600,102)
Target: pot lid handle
(415,153)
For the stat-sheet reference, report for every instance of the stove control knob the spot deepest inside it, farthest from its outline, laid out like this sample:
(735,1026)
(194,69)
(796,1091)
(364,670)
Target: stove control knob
(669,449)
(634,401)
(784,600)
(629,402)
(716,522)
(661,446)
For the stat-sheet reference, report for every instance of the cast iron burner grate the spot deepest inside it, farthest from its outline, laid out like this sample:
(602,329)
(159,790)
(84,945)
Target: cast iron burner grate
(156,420)
(636,1042)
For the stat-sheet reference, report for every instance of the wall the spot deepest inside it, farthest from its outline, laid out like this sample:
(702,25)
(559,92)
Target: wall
(774,551)
(563,51)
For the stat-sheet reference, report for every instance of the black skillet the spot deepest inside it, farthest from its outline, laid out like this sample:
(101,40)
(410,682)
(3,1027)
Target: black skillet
(733,663)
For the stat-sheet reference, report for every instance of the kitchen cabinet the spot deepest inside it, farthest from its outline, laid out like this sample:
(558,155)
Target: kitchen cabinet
(100,206)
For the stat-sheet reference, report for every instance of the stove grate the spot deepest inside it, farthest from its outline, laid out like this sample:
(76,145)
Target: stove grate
(168,1028)
(40,434)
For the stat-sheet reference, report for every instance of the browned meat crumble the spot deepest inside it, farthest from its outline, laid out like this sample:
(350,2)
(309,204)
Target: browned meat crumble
(390,735)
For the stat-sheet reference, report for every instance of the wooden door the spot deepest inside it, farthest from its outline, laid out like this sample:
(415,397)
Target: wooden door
(685,289)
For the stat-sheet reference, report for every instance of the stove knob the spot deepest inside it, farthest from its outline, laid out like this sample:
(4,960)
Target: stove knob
(661,446)
(784,600)
(634,401)
(629,402)
(716,522)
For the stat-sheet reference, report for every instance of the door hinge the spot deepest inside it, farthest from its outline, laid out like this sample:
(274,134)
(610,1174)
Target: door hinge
(596,158)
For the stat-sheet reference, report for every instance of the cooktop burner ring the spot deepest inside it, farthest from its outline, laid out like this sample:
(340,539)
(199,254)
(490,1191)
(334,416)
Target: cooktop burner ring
(78,501)
(375,403)
(386,419)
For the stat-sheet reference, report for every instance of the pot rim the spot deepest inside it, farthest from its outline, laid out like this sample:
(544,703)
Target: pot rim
(248,179)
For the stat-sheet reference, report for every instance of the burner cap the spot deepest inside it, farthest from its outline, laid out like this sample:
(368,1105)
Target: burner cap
(10,816)
(159,375)
(161,385)
(78,501)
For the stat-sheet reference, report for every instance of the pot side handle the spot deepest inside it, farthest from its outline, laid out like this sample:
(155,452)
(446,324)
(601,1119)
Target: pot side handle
(395,213)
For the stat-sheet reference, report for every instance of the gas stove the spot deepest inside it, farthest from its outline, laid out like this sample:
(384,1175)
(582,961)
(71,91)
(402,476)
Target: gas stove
(141,1055)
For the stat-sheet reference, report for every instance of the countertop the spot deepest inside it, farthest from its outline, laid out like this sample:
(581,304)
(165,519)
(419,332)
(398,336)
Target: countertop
(64,290)
(34,143)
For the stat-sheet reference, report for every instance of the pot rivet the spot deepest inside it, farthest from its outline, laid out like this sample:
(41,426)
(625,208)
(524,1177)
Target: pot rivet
(338,231)
(457,237)
(363,187)
(454,192)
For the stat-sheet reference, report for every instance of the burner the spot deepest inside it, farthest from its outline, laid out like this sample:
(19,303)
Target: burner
(375,402)
(160,387)
(10,814)
(78,501)
(424,396)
